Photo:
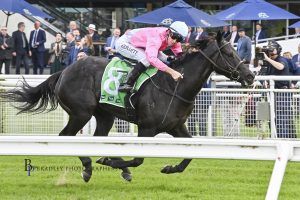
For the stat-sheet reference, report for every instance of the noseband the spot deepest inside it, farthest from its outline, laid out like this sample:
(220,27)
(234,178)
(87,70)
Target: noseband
(233,71)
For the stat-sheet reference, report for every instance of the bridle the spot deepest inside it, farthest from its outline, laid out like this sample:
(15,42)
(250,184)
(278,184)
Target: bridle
(233,71)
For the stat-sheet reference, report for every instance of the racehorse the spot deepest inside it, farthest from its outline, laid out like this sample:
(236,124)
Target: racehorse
(77,90)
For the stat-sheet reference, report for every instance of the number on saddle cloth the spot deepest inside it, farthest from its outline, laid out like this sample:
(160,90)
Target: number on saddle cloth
(115,73)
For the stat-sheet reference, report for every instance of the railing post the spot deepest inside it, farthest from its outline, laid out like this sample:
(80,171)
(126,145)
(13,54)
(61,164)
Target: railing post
(131,129)
(209,122)
(213,107)
(272,109)
(285,151)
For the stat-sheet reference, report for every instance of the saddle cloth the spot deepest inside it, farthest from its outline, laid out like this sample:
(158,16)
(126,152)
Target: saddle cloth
(115,73)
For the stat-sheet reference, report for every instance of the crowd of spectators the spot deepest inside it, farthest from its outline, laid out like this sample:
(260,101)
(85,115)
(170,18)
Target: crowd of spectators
(18,51)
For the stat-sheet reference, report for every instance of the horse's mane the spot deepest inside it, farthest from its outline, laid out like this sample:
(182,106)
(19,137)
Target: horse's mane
(193,49)
(184,56)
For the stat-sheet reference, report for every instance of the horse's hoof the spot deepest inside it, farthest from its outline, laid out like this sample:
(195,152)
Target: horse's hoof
(102,160)
(126,176)
(167,169)
(86,176)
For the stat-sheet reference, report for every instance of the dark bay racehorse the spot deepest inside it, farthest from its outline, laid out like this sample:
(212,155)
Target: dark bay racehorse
(77,90)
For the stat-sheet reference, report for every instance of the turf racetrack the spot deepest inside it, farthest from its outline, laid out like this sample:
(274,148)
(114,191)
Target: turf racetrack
(59,178)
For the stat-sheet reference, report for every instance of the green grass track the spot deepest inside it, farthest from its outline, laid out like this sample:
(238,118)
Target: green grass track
(59,178)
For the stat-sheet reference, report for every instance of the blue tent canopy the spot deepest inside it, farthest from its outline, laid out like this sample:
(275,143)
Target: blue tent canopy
(21,7)
(255,10)
(295,25)
(179,11)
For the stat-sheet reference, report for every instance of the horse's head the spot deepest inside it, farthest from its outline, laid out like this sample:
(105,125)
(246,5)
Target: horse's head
(224,59)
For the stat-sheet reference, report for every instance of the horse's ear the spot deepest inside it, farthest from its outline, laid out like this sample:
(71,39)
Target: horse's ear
(219,37)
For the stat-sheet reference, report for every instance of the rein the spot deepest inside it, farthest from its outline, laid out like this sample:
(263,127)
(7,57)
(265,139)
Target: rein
(174,94)
(170,93)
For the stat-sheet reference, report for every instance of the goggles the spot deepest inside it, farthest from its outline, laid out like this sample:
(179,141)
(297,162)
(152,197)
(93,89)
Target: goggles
(176,36)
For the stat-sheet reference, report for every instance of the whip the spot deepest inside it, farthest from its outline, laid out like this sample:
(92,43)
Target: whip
(175,90)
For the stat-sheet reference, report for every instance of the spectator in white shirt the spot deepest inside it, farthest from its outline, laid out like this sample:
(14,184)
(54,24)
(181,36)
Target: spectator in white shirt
(234,36)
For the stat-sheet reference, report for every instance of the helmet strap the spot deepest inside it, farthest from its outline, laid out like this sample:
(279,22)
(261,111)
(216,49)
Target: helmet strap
(172,29)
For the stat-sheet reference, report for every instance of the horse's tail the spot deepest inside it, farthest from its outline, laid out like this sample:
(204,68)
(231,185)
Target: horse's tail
(34,99)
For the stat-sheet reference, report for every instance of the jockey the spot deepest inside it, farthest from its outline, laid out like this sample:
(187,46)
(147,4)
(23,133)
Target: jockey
(146,45)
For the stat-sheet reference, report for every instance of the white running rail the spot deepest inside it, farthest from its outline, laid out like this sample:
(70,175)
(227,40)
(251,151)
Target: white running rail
(281,151)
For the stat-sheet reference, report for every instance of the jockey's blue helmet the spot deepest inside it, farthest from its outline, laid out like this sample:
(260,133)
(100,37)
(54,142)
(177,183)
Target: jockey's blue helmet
(179,30)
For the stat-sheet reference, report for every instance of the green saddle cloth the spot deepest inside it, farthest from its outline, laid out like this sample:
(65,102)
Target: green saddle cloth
(115,73)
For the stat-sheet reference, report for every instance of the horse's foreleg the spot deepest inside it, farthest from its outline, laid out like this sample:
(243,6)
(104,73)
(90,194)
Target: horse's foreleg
(169,169)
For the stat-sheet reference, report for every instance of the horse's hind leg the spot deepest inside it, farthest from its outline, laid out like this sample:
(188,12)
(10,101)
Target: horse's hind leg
(120,163)
(104,123)
(178,132)
(130,163)
(75,123)
(126,174)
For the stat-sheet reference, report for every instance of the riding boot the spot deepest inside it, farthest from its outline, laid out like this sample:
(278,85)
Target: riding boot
(132,77)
